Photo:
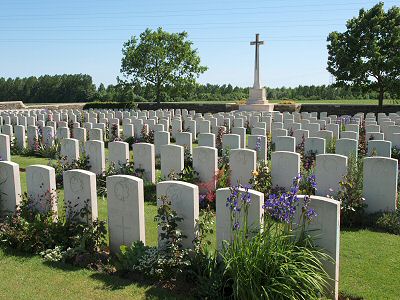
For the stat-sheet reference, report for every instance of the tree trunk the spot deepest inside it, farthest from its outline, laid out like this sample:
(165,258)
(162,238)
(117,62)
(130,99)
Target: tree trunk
(158,96)
(381,96)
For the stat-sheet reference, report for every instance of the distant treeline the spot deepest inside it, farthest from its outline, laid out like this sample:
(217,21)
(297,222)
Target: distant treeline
(80,88)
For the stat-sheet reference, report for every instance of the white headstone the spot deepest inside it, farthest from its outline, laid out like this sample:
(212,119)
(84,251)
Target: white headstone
(380,183)
(285,167)
(329,171)
(242,163)
(80,194)
(96,155)
(184,199)
(10,187)
(172,159)
(126,222)
(144,158)
(41,186)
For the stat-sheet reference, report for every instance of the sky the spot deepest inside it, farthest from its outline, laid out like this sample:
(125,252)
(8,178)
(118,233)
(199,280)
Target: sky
(40,37)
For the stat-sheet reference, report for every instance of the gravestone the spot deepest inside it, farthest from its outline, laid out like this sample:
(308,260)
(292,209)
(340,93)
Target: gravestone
(258,131)
(20,136)
(258,143)
(325,228)
(161,138)
(285,167)
(184,198)
(231,141)
(349,135)
(242,163)
(172,159)
(62,133)
(32,133)
(380,176)
(10,187)
(96,155)
(48,136)
(205,162)
(206,140)
(184,139)
(80,194)
(128,131)
(300,135)
(347,147)
(118,153)
(380,148)
(70,150)
(314,144)
(126,222)
(5,153)
(285,143)
(144,158)
(96,134)
(41,188)
(278,132)
(329,171)
(335,129)
(241,131)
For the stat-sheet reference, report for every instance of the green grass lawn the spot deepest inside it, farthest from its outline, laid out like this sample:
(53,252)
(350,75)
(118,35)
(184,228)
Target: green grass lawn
(369,267)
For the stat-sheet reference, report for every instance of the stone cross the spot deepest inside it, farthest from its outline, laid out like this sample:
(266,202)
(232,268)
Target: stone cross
(257,43)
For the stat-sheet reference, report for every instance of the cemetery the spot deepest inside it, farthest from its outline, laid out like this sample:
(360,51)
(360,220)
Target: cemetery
(165,187)
(126,181)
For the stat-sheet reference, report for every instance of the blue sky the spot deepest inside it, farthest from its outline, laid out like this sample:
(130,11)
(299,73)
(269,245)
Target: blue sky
(76,36)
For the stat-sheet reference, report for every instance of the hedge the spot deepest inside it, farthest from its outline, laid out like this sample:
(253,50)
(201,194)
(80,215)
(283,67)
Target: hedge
(110,105)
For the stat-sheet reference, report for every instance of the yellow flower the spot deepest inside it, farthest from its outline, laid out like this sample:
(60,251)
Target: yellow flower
(255,173)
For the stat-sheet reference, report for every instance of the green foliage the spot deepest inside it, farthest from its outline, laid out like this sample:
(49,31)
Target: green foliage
(188,174)
(204,228)
(112,169)
(389,222)
(110,105)
(159,59)
(366,54)
(61,165)
(261,180)
(169,260)
(279,261)
(56,238)
(130,256)
(331,146)
(350,194)
(56,89)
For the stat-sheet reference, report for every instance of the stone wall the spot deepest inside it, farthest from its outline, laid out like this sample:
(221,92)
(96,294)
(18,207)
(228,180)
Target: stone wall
(12,105)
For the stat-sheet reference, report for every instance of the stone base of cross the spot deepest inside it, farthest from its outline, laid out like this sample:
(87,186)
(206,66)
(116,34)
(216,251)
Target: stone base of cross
(257,96)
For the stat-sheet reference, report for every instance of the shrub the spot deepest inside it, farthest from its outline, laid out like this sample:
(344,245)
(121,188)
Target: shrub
(389,222)
(278,262)
(169,260)
(110,105)
(261,180)
(61,165)
(59,238)
(350,194)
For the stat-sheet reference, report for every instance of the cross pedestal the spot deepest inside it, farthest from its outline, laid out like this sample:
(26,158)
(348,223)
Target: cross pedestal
(257,99)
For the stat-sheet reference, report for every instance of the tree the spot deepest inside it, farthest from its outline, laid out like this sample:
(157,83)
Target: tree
(367,54)
(161,59)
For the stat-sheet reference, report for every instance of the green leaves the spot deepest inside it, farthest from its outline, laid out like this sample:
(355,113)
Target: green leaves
(160,59)
(367,54)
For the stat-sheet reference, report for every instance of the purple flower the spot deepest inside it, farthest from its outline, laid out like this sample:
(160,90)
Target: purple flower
(310,214)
